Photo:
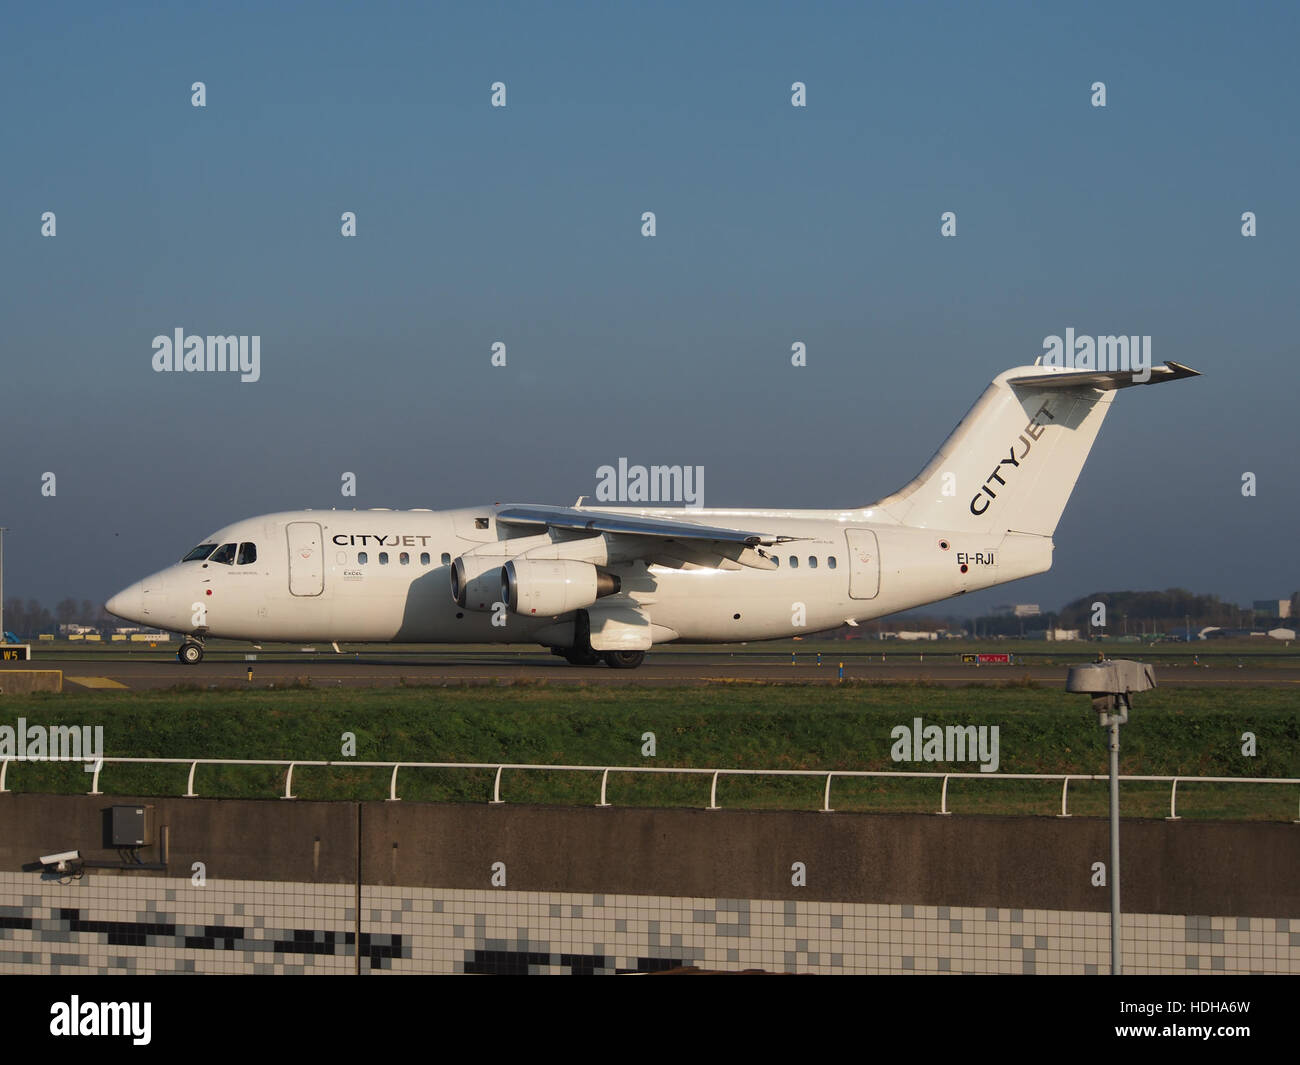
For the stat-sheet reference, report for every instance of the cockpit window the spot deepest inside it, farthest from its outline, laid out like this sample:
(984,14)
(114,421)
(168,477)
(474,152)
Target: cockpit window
(247,554)
(199,553)
(225,554)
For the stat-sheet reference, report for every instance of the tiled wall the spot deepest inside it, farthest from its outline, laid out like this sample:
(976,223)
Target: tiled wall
(118,923)
(113,924)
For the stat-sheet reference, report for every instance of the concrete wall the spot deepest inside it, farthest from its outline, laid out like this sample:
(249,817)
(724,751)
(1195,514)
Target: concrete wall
(26,681)
(422,887)
(1243,868)
(1021,862)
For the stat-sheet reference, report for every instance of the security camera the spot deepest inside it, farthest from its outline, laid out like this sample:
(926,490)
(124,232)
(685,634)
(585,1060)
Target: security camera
(61,860)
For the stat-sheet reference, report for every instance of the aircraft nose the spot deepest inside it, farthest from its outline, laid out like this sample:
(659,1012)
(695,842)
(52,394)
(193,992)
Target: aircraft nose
(128,603)
(139,602)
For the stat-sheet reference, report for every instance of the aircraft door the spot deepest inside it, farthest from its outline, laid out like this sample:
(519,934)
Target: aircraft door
(306,558)
(864,564)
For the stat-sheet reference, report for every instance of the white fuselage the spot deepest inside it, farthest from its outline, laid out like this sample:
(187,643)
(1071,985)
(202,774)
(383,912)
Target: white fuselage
(619,580)
(379,576)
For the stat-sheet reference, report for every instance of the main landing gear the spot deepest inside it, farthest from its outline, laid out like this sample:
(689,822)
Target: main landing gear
(581,653)
(613,659)
(623,659)
(191,651)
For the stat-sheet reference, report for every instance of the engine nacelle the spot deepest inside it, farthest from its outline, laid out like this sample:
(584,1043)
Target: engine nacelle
(476,581)
(547,587)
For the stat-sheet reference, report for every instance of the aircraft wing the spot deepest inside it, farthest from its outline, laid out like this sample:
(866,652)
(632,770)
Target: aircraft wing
(665,541)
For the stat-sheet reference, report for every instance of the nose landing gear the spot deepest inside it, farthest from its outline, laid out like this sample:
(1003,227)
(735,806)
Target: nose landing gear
(191,651)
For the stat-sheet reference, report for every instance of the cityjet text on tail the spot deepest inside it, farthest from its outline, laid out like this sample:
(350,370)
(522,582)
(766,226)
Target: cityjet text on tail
(605,584)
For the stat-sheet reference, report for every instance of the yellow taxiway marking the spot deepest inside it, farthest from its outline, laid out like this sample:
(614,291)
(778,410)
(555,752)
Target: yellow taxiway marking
(96,682)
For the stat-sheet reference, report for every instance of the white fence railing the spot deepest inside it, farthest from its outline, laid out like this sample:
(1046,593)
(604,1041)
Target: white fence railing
(714,774)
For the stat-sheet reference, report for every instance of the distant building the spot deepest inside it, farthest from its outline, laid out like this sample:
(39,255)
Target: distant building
(1062,634)
(1051,634)
(1019,610)
(1272,608)
(1214,632)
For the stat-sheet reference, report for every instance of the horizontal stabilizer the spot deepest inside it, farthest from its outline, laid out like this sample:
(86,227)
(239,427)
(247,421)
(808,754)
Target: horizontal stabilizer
(1105,380)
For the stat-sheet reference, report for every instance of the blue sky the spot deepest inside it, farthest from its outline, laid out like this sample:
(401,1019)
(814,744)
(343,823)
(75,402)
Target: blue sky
(522,224)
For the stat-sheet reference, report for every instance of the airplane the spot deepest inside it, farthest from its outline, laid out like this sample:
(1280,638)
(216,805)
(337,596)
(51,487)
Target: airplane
(605,584)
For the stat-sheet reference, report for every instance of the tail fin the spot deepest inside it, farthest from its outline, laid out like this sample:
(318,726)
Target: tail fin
(1012,462)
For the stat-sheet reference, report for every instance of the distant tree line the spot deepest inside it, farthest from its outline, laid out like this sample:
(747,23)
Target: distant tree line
(27,617)
(1173,610)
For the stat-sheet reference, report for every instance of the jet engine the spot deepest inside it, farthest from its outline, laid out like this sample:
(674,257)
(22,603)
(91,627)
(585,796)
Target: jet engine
(476,581)
(546,587)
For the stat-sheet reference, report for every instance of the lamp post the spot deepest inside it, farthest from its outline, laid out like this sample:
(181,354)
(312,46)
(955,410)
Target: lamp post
(1111,684)
(3,530)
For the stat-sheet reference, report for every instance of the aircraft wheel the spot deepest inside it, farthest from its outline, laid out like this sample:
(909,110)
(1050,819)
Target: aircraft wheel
(582,658)
(623,659)
(191,653)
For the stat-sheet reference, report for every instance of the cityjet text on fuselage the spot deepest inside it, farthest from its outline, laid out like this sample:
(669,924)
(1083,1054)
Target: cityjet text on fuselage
(387,540)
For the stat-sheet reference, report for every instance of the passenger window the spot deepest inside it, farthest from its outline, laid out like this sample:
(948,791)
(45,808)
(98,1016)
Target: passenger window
(405,558)
(446,559)
(225,554)
(812,561)
(777,560)
(831,562)
(247,554)
(362,558)
(383,558)
(794,561)
(480,523)
(424,558)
